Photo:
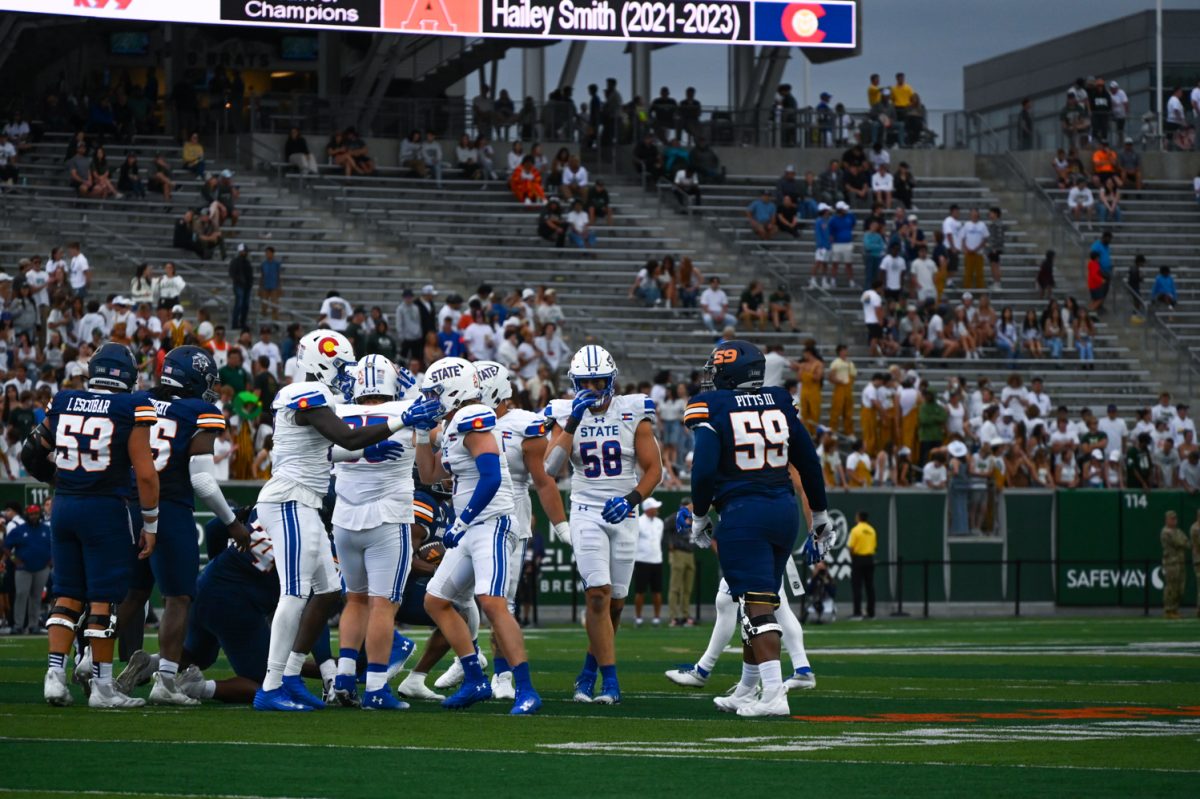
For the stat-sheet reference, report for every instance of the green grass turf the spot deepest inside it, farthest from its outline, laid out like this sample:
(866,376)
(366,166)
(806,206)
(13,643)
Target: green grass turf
(1095,707)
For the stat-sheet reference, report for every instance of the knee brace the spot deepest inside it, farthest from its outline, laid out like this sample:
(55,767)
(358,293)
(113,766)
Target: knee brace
(107,624)
(62,616)
(759,625)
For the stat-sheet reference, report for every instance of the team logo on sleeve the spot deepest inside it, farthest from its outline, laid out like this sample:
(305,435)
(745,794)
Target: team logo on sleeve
(627,417)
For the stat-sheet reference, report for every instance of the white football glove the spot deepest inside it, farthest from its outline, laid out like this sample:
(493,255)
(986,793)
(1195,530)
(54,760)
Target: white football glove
(702,531)
(822,530)
(561,533)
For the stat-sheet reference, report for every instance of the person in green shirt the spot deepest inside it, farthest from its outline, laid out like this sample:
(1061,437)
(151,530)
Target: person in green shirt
(233,373)
(1138,466)
(931,425)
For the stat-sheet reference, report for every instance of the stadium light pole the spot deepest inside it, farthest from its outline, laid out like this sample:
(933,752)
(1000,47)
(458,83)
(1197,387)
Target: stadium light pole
(1158,76)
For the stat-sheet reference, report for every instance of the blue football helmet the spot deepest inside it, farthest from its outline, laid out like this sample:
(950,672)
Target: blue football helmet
(593,363)
(113,367)
(191,372)
(735,364)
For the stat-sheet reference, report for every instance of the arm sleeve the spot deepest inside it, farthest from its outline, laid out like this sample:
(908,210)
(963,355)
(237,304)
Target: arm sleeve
(803,455)
(341,454)
(705,460)
(204,482)
(488,464)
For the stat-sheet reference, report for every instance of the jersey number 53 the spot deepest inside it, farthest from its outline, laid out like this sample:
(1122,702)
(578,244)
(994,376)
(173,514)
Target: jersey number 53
(760,439)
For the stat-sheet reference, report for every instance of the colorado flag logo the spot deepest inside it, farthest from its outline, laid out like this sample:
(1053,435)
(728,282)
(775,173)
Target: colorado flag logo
(823,24)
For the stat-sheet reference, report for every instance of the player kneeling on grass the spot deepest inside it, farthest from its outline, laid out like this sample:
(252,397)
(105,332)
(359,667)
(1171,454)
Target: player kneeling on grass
(99,435)
(481,541)
(372,529)
(745,438)
(610,444)
(288,508)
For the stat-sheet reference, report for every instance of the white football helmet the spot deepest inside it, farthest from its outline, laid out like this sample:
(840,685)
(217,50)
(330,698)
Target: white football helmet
(493,382)
(328,357)
(452,382)
(376,376)
(593,363)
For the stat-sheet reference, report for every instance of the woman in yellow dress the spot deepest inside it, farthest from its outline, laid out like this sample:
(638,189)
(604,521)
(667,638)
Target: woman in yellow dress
(811,371)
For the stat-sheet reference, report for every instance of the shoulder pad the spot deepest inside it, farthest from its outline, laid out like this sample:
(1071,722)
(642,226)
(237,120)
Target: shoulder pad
(474,419)
(208,417)
(696,411)
(558,409)
(301,396)
(536,428)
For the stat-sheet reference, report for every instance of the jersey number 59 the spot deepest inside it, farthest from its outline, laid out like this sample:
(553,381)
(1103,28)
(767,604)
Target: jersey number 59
(760,439)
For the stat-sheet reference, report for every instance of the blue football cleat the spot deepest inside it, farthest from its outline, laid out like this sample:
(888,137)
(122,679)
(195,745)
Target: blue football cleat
(402,649)
(585,686)
(298,692)
(467,695)
(276,699)
(610,694)
(528,703)
(383,699)
(345,690)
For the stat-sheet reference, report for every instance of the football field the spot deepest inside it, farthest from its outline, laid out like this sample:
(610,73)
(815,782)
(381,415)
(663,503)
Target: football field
(998,707)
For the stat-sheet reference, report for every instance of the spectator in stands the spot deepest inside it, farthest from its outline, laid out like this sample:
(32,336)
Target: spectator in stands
(647,159)
(241,275)
(579,227)
(686,186)
(830,186)
(553,175)
(752,306)
(160,179)
(207,236)
(1076,122)
(296,153)
(972,239)
(1164,292)
(1031,334)
(874,247)
(356,149)
(8,161)
(143,286)
(786,218)
(687,283)
(170,286)
(903,185)
(646,286)
(450,340)
(1080,201)
(706,162)
(574,180)
(408,326)
(1052,329)
(526,184)
(1110,200)
(761,215)
(787,185)
(484,109)
(1175,119)
(129,179)
(466,158)
(1062,169)
(598,204)
(410,155)
(227,197)
(1104,163)
(270,287)
(79,273)
(882,186)
(100,176)
(193,155)
(339,155)
(857,186)
(714,305)
(551,225)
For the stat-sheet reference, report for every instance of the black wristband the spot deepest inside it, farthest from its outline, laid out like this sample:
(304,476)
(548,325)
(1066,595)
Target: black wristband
(571,426)
(633,497)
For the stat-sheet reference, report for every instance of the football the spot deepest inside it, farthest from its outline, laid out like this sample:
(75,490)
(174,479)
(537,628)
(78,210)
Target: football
(432,552)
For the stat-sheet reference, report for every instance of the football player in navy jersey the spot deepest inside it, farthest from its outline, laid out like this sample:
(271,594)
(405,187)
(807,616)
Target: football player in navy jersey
(182,442)
(98,434)
(745,438)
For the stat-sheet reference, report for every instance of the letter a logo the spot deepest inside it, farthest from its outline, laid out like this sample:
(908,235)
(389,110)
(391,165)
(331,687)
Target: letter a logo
(429,15)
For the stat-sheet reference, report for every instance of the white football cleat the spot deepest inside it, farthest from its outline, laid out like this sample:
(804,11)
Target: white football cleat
(55,689)
(802,679)
(690,677)
(166,692)
(83,672)
(773,703)
(451,677)
(502,686)
(414,687)
(138,671)
(190,682)
(106,696)
(733,702)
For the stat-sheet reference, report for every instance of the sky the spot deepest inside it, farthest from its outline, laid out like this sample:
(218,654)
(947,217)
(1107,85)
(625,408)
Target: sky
(929,40)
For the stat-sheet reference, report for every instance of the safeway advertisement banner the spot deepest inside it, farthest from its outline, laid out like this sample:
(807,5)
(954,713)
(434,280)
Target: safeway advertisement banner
(828,24)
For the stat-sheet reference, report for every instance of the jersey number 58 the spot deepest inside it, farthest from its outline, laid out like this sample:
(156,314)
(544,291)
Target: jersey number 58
(760,439)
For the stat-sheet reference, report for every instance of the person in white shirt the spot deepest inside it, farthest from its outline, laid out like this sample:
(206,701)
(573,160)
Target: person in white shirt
(8,160)
(687,185)
(892,266)
(1175,118)
(882,185)
(579,226)
(648,562)
(17,130)
(480,338)
(1115,429)
(872,305)
(1120,107)
(1037,396)
(38,279)
(1181,423)
(335,312)
(264,346)
(223,451)
(951,228)
(574,180)
(1080,200)
(972,238)
(451,308)
(93,324)
(56,267)
(933,475)
(550,346)
(923,272)
(776,367)
(515,156)
(1163,410)
(714,303)
(79,275)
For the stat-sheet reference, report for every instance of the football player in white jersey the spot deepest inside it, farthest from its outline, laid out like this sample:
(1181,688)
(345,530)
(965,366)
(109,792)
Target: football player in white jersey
(372,529)
(609,441)
(522,438)
(305,425)
(481,541)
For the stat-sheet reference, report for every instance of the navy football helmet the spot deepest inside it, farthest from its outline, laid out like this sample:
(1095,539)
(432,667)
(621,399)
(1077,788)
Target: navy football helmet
(735,364)
(113,367)
(190,371)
